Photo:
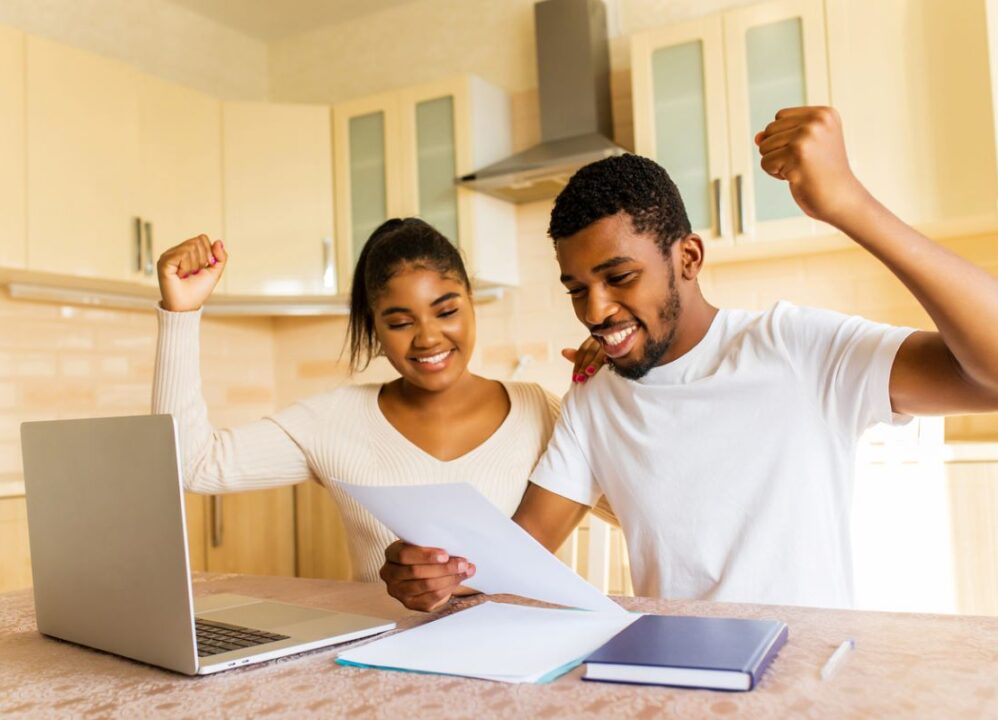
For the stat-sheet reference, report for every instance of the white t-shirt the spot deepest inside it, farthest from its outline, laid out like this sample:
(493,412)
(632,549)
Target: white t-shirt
(730,468)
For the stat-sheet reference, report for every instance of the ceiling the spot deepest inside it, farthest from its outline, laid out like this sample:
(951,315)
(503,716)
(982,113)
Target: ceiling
(270,20)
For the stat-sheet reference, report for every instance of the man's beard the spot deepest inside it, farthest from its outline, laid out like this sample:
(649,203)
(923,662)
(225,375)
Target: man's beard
(655,350)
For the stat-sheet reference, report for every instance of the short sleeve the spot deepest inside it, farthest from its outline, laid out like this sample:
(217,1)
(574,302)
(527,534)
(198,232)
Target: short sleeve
(845,360)
(564,468)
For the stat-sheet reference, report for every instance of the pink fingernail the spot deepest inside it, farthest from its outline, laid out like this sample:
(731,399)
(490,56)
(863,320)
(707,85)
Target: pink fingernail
(590,370)
(196,271)
(212,260)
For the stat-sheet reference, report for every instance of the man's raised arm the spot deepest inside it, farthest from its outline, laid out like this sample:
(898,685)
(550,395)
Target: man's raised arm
(951,371)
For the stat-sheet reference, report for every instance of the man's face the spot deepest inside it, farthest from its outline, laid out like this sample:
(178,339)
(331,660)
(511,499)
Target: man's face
(624,291)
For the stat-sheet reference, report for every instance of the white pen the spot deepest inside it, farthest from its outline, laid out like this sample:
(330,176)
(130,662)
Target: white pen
(836,658)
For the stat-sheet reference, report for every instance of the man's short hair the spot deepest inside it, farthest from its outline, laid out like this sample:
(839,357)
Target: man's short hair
(629,183)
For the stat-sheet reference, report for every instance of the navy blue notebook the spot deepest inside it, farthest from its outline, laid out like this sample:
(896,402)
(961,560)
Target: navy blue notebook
(716,653)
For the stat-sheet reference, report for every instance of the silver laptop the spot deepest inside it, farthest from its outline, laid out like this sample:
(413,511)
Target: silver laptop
(109,556)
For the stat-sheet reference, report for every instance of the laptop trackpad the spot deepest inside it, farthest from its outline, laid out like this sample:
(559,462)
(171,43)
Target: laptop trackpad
(264,615)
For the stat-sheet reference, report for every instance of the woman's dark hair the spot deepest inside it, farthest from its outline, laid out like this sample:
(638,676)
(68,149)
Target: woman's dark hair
(397,244)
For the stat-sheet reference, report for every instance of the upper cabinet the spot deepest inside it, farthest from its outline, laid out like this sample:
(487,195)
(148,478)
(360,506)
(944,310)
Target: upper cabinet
(910,78)
(121,165)
(12,139)
(399,154)
(775,58)
(368,173)
(83,163)
(180,168)
(913,81)
(278,199)
(703,88)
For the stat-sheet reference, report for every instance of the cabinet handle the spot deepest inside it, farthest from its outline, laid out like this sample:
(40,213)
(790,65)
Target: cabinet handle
(716,188)
(216,521)
(149,263)
(328,264)
(740,199)
(138,244)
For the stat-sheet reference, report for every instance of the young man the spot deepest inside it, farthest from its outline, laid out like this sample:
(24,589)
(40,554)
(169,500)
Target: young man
(724,439)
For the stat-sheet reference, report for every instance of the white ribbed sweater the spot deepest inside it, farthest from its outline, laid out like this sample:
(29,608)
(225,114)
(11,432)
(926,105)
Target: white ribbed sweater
(342,435)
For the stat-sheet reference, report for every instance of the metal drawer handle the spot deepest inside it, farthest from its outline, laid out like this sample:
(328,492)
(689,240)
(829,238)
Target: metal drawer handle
(138,244)
(150,266)
(328,264)
(216,521)
(740,199)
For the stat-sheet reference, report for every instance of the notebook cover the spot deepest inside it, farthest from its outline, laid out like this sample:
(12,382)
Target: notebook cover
(723,644)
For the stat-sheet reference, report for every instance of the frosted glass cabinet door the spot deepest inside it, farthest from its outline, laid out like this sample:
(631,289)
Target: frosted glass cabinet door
(368,186)
(680,115)
(366,152)
(680,125)
(436,165)
(776,59)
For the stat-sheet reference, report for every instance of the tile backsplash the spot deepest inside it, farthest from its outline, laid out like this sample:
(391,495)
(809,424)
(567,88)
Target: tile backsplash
(61,361)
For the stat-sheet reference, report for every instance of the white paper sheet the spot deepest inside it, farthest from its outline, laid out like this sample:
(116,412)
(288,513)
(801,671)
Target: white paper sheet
(458,519)
(495,641)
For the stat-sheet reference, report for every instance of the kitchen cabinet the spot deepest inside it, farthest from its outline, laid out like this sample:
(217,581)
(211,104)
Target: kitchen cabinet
(320,534)
(82,163)
(197,548)
(398,154)
(913,81)
(247,532)
(180,164)
(121,165)
(973,504)
(366,148)
(15,560)
(13,236)
(895,70)
(704,87)
(278,207)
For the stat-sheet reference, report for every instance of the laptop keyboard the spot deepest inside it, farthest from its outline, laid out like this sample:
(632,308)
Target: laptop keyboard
(215,637)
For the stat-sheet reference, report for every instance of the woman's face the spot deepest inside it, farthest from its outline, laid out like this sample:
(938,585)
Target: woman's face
(425,323)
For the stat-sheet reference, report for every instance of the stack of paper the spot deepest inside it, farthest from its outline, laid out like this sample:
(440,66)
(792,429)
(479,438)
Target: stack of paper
(493,641)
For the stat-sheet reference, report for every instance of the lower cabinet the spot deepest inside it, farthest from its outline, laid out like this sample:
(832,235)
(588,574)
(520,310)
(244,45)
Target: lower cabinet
(15,558)
(321,536)
(248,532)
(973,500)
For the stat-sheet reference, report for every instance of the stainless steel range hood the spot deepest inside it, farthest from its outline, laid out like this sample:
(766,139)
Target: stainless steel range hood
(573,64)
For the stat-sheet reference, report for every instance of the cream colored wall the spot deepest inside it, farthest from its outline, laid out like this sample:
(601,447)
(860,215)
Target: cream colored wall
(427,40)
(156,36)
(407,45)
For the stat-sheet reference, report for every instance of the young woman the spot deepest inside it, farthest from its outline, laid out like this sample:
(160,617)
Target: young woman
(437,422)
